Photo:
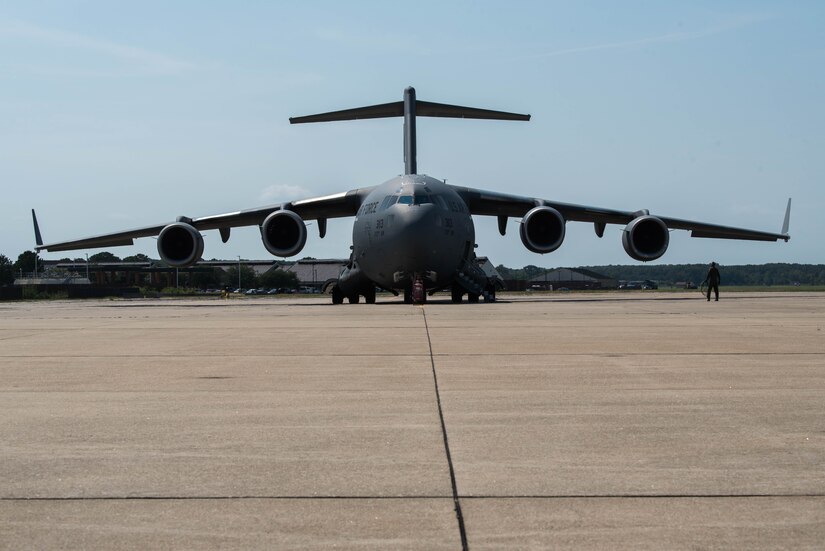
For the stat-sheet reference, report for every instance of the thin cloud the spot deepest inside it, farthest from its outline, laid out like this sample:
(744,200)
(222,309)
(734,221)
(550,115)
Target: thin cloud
(138,61)
(679,36)
(282,192)
(370,41)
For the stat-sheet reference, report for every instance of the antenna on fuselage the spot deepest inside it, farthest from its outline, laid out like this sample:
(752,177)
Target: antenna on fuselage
(410,108)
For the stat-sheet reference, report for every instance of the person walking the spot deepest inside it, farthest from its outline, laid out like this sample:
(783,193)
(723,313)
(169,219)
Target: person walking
(713,279)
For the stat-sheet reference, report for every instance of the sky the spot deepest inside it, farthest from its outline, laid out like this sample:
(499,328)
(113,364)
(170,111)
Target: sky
(116,115)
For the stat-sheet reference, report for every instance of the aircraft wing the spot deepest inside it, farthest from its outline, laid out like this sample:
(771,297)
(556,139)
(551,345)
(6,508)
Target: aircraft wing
(330,206)
(491,203)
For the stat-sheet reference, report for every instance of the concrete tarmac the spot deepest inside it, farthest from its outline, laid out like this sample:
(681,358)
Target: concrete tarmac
(585,421)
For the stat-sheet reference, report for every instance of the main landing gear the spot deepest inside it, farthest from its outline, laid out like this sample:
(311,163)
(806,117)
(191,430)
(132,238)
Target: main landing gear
(338,296)
(457,293)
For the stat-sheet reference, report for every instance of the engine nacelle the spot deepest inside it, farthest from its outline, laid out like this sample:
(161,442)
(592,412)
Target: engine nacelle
(542,230)
(180,245)
(645,238)
(284,233)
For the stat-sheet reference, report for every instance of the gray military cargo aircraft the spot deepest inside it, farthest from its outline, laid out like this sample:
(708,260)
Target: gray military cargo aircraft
(414,233)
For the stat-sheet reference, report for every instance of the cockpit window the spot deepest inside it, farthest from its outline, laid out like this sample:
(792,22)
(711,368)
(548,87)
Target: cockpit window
(418,198)
(422,198)
(388,201)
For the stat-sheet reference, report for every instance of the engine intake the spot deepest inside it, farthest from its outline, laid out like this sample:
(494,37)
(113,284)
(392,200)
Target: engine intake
(645,238)
(542,230)
(180,245)
(284,233)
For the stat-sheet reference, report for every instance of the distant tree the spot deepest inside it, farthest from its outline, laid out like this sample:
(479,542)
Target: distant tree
(6,270)
(531,271)
(140,257)
(505,272)
(26,262)
(277,278)
(104,256)
(214,278)
(249,278)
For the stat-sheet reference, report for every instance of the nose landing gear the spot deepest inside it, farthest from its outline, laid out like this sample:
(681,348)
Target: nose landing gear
(416,294)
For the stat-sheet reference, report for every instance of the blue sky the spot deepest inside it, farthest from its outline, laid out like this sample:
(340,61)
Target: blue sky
(116,115)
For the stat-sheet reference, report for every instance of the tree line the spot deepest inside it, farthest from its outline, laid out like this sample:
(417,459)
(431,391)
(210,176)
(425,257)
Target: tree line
(669,274)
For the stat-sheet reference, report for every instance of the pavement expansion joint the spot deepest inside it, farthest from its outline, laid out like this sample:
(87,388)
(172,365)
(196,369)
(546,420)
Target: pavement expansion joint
(456,501)
(415,497)
(646,496)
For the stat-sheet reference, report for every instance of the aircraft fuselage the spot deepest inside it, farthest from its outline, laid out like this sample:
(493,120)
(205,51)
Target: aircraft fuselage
(412,226)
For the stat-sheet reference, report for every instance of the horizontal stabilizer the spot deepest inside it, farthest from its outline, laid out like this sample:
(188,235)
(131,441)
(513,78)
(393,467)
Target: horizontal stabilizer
(410,108)
(394,109)
(422,109)
(429,109)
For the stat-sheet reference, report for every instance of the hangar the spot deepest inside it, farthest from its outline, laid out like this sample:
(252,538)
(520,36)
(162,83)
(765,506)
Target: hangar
(312,273)
(571,278)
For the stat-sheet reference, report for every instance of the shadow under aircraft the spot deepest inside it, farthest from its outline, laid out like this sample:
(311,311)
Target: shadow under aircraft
(414,234)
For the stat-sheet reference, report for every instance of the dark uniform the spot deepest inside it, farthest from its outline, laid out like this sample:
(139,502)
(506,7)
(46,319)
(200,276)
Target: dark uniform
(713,280)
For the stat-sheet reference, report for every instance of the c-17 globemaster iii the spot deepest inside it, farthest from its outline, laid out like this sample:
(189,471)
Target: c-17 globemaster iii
(414,233)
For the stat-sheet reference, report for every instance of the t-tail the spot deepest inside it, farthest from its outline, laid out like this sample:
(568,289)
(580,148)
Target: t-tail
(410,108)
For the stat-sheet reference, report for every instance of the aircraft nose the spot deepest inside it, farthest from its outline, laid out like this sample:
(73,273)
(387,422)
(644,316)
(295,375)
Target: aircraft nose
(417,218)
(420,233)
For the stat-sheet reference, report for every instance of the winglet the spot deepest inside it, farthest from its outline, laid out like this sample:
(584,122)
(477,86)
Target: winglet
(786,224)
(38,239)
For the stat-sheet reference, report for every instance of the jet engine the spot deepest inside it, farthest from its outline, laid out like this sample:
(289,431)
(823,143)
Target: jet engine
(542,230)
(284,233)
(645,238)
(180,245)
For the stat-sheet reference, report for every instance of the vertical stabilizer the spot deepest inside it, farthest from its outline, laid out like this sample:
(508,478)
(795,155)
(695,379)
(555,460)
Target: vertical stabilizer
(409,131)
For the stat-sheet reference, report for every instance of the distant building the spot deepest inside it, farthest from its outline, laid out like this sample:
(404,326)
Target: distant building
(571,278)
(316,273)
(312,273)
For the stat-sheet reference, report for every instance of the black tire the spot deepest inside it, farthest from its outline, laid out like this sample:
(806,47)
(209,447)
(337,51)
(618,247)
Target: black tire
(471,297)
(408,296)
(491,294)
(354,299)
(337,295)
(457,294)
(369,295)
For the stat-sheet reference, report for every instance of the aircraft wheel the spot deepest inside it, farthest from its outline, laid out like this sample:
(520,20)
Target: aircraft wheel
(337,295)
(354,299)
(369,295)
(471,297)
(491,294)
(457,294)
(408,296)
